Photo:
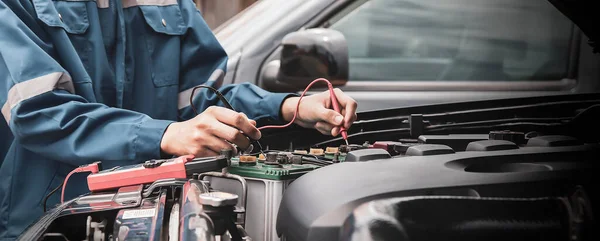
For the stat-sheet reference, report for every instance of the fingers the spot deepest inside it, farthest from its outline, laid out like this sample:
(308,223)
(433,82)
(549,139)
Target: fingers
(331,117)
(326,128)
(203,144)
(349,106)
(235,119)
(214,146)
(230,134)
(335,131)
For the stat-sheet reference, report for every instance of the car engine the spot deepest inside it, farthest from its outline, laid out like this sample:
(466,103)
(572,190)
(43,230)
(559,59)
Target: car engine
(499,170)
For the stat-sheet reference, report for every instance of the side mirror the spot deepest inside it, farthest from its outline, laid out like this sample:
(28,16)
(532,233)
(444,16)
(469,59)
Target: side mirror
(307,55)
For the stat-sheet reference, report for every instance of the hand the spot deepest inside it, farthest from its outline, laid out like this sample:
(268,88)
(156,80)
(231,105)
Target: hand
(208,133)
(316,112)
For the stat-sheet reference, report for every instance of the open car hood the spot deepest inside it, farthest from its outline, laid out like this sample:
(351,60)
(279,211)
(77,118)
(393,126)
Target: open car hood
(583,14)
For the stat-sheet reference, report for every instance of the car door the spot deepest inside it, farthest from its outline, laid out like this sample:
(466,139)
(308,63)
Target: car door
(415,52)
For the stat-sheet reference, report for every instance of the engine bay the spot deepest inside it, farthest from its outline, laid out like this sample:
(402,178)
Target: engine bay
(519,170)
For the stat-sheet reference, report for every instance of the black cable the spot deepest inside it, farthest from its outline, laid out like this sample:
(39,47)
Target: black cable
(315,161)
(443,128)
(368,134)
(540,121)
(505,126)
(50,194)
(320,158)
(453,115)
(263,152)
(217,92)
(225,103)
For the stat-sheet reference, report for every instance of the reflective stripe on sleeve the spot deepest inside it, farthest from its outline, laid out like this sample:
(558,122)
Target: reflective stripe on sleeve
(215,80)
(133,3)
(102,3)
(34,87)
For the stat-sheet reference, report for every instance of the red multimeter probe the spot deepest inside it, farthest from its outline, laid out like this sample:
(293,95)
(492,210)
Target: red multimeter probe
(334,102)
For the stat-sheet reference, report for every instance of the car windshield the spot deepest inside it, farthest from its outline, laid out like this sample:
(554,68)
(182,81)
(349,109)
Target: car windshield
(456,40)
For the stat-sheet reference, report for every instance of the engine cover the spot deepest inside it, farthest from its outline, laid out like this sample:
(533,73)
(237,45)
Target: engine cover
(317,204)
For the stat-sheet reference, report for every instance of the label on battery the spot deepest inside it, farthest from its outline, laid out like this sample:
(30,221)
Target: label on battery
(141,213)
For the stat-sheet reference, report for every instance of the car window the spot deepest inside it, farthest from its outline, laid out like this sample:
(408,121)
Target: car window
(455,40)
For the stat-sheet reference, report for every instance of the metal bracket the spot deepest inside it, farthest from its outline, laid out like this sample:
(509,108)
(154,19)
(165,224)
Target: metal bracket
(416,125)
(240,179)
(163,183)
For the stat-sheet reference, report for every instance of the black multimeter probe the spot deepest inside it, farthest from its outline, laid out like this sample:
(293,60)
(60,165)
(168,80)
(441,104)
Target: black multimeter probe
(228,106)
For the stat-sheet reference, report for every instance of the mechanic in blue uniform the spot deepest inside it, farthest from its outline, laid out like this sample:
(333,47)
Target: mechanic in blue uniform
(109,80)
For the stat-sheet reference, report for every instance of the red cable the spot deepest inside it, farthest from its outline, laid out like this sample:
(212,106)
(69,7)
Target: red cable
(334,102)
(62,194)
(93,168)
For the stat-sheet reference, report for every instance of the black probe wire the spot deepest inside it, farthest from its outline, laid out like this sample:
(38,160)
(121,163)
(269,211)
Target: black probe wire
(217,92)
(50,194)
(225,103)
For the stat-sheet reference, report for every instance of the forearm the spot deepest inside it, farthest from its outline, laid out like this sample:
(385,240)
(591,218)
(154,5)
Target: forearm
(63,127)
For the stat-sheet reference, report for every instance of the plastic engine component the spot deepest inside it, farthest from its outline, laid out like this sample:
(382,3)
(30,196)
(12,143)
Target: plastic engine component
(458,218)
(367,155)
(218,199)
(428,150)
(271,172)
(393,147)
(456,142)
(491,145)
(553,140)
(512,136)
(205,164)
(305,216)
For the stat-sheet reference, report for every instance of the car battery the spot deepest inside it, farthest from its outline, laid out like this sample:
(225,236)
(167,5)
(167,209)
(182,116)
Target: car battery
(266,184)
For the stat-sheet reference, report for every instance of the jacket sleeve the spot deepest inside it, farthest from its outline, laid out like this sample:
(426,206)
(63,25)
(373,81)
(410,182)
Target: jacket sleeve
(46,116)
(204,61)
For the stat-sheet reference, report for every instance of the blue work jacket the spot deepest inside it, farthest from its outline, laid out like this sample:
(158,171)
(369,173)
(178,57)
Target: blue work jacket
(84,81)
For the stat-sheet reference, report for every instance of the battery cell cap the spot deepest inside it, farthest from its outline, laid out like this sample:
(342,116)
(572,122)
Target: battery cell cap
(218,199)
(247,158)
(316,151)
(300,152)
(331,150)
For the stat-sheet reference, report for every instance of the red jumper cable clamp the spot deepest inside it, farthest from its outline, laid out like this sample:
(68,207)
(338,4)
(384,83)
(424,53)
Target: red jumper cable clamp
(153,170)
(146,172)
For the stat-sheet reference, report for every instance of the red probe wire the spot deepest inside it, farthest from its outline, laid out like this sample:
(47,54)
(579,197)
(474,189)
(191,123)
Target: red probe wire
(334,102)
(93,168)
